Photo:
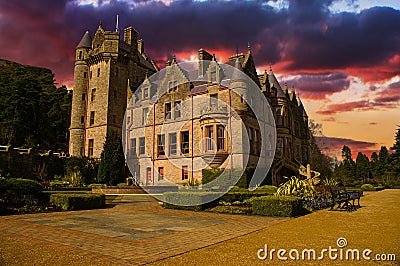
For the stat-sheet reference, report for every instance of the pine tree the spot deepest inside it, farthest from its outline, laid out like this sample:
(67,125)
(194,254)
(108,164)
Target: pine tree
(348,169)
(112,164)
(362,167)
(395,157)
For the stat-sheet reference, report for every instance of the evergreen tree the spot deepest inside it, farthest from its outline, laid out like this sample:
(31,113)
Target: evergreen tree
(348,169)
(383,162)
(395,156)
(33,112)
(112,163)
(362,167)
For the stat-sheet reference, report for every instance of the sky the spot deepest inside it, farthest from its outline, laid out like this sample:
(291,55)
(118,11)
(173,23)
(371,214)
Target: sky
(342,57)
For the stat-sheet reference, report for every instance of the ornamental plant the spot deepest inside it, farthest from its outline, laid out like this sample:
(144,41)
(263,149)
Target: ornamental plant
(296,187)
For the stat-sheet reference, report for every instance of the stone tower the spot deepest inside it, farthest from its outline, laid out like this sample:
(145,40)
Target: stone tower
(107,71)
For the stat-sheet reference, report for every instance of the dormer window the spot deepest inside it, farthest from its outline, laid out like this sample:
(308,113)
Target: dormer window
(172,86)
(145,93)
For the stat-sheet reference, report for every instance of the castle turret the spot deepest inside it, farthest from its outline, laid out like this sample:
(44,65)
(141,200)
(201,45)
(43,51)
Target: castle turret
(79,97)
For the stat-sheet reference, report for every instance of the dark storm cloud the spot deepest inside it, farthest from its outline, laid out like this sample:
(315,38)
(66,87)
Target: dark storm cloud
(305,36)
(319,85)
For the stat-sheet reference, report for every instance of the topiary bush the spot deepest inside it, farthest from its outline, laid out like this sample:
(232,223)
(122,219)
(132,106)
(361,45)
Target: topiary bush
(22,186)
(193,201)
(368,187)
(78,201)
(18,193)
(282,206)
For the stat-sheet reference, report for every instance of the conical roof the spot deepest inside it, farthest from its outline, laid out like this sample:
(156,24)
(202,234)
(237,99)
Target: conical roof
(86,41)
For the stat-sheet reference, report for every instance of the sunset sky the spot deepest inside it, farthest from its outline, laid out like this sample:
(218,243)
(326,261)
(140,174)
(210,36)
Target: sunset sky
(342,57)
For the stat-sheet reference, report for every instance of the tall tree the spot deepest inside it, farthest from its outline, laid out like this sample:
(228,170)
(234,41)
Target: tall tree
(348,169)
(395,156)
(112,164)
(384,161)
(32,110)
(362,167)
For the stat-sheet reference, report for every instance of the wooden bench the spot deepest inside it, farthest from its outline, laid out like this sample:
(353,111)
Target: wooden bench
(341,196)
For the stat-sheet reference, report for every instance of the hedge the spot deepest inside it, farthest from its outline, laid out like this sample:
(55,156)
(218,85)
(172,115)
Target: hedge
(78,201)
(368,187)
(243,195)
(20,186)
(282,206)
(192,201)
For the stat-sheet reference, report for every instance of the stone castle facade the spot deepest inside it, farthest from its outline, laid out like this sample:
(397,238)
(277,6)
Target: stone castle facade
(107,74)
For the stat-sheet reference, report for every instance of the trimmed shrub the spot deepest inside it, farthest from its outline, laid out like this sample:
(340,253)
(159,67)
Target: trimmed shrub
(97,186)
(231,209)
(242,195)
(192,201)
(282,206)
(368,187)
(20,186)
(78,201)
(209,175)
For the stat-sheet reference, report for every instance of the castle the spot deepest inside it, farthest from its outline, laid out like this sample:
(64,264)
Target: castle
(108,72)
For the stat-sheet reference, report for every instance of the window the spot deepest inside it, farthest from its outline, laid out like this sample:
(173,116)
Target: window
(149,178)
(91,74)
(209,138)
(161,145)
(83,96)
(279,145)
(90,150)
(172,86)
(98,72)
(185,142)
(160,173)
(172,144)
(185,172)
(91,117)
(251,139)
(82,119)
(85,74)
(177,110)
(213,75)
(133,147)
(167,111)
(93,95)
(279,110)
(80,55)
(221,138)
(145,113)
(256,141)
(214,99)
(145,93)
(142,146)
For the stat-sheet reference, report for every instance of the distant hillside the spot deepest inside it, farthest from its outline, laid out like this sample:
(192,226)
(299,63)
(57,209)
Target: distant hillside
(32,110)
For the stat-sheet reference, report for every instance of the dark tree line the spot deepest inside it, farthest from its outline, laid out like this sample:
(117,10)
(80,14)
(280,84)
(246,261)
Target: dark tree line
(33,111)
(383,167)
